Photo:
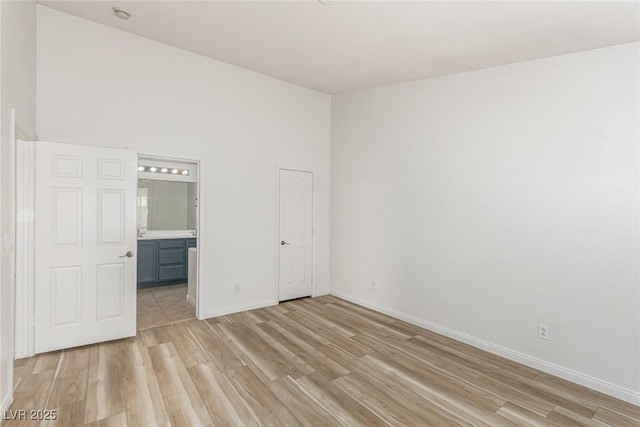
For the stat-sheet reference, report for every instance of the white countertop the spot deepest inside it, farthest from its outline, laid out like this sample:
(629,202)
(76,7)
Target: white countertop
(168,234)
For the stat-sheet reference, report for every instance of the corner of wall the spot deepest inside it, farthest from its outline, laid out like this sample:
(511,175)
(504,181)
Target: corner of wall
(238,308)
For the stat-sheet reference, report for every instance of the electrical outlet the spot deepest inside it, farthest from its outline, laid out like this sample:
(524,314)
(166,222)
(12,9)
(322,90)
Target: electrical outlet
(236,288)
(543,331)
(373,285)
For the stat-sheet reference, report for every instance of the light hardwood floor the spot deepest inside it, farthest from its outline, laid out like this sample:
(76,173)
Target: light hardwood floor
(320,361)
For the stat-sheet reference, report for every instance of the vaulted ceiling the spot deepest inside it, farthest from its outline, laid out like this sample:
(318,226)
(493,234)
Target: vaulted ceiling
(361,44)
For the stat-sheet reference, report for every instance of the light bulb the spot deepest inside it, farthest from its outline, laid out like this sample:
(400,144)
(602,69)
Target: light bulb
(164,170)
(174,170)
(185,172)
(153,169)
(141,168)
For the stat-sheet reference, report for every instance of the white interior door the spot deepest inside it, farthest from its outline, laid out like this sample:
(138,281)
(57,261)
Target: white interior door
(296,234)
(85,238)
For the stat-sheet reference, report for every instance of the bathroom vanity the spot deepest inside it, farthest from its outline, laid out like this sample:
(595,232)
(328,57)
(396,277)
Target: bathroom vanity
(163,261)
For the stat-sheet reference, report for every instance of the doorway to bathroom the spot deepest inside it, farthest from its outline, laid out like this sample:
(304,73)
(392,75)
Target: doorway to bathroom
(167,213)
(77,244)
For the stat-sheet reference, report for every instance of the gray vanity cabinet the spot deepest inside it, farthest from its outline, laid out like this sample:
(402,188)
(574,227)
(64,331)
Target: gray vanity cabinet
(147,263)
(163,261)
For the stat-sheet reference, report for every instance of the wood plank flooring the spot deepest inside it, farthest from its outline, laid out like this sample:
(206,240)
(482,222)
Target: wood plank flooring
(316,361)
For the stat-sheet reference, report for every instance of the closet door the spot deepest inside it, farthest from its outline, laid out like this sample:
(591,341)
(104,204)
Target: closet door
(296,234)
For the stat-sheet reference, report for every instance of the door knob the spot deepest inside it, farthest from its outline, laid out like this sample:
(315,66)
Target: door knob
(129,254)
(282,243)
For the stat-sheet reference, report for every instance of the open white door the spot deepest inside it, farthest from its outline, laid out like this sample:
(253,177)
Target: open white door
(85,238)
(296,234)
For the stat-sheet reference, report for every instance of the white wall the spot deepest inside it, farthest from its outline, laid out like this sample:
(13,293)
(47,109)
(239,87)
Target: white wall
(17,91)
(101,86)
(487,202)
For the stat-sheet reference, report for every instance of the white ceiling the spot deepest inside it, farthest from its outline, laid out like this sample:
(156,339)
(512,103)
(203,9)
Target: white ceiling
(357,45)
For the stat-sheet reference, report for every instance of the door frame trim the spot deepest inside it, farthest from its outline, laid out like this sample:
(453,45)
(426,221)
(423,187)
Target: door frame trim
(277,226)
(200,223)
(25,250)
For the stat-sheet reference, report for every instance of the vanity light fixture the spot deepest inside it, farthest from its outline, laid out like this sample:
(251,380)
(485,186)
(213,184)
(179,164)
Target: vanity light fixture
(160,169)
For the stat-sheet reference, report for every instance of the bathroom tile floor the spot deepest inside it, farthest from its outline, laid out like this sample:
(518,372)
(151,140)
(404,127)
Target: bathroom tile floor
(162,305)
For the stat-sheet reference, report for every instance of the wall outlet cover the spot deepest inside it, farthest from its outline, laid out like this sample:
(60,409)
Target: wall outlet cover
(543,331)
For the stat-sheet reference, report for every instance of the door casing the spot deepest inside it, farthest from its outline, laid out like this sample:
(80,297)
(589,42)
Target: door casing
(200,223)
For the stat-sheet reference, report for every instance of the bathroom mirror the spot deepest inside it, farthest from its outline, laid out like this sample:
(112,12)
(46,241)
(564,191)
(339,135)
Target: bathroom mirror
(166,205)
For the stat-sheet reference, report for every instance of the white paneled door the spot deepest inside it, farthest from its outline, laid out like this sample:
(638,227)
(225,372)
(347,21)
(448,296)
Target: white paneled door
(85,238)
(296,234)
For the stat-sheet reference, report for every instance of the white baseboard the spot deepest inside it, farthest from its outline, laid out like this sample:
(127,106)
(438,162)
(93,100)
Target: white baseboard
(321,292)
(191,300)
(23,356)
(239,308)
(602,386)
(6,403)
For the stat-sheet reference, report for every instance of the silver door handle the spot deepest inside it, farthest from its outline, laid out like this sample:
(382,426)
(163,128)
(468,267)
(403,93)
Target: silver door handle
(282,243)
(129,254)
